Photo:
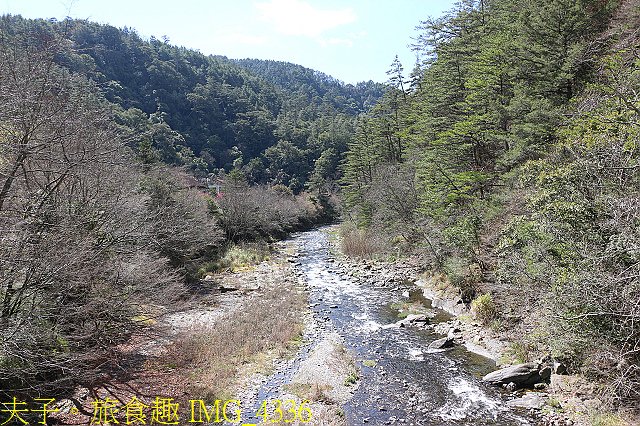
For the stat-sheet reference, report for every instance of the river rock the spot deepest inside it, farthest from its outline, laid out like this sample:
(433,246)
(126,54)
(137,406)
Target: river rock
(444,343)
(454,333)
(413,320)
(227,287)
(531,400)
(417,318)
(545,373)
(253,287)
(510,386)
(523,375)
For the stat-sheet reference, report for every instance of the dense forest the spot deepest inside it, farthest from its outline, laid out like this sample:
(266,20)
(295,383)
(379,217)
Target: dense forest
(510,160)
(507,159)
(269,121)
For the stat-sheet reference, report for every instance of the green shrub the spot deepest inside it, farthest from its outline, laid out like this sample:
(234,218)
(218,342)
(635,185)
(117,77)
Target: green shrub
(484,308)
(521,351)
(351,379)
(462,274)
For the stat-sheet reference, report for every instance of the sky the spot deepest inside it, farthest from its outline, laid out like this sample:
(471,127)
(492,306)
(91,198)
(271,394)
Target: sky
(351,40)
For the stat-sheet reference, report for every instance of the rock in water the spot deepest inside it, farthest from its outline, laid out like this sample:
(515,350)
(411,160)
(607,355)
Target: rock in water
(417,318)
(444,343)
(522,375)
(413,320)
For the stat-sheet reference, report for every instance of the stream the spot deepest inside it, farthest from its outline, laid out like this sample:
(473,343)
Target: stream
(401,382)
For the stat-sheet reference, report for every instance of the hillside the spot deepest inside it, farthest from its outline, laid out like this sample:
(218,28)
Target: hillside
(318,87)
(511,165)
(103,223)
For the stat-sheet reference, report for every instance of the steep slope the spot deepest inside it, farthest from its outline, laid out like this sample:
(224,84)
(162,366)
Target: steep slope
(512,165)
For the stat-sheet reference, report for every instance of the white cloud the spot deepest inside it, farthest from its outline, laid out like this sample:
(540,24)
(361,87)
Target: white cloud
(349,40)
(298,18)
(336,41)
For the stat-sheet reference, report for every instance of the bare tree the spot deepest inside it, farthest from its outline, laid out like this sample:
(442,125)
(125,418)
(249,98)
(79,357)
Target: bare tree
(76,260)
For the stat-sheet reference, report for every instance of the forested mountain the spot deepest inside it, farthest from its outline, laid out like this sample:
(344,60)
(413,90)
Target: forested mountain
(316,86)
(317,119)
(209,113)
(511,159)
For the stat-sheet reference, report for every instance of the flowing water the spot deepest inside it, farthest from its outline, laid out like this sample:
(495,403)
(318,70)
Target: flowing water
(405,383)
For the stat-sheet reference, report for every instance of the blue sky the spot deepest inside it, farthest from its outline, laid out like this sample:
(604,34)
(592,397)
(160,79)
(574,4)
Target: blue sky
(352,40)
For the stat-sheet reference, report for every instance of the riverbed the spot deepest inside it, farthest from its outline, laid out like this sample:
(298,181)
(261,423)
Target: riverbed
(401,381)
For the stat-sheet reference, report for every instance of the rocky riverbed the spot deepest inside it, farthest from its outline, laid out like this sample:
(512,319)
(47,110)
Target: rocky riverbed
(377,345)
(557,399)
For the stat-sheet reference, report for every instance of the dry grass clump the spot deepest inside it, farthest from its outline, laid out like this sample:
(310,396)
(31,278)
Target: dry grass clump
(266,324)
(607,419)
(238,257)
(359,243)
(310,391)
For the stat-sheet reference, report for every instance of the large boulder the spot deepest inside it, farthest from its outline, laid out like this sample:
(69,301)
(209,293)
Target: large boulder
(522,375)
(559,368)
